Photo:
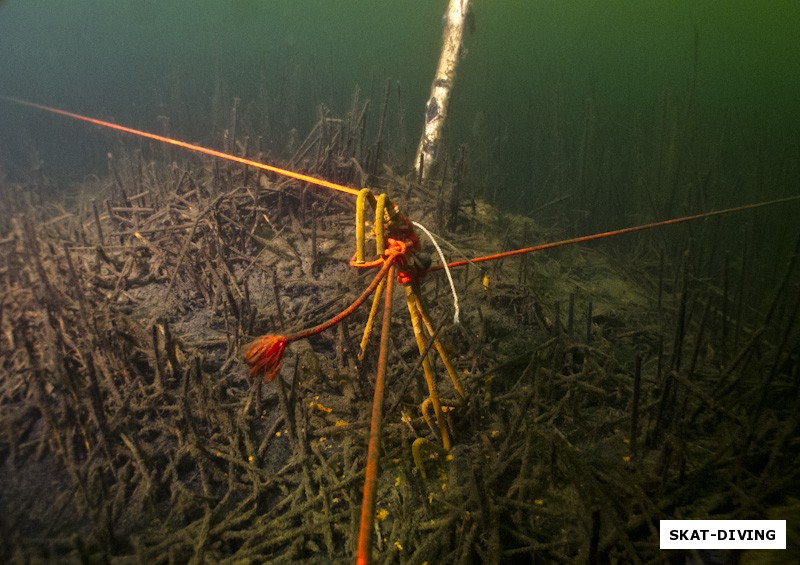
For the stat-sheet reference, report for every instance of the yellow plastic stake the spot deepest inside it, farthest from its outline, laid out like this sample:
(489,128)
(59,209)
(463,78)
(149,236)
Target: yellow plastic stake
(423,408)
(360,226)
(380,235)
(423,312)
(371,319)
(430,378)
(416,453)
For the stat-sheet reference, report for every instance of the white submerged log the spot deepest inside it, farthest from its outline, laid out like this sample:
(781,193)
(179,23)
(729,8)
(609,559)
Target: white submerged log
(436,109)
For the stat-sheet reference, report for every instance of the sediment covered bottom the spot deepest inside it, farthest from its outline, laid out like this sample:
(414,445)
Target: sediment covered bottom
(604,391)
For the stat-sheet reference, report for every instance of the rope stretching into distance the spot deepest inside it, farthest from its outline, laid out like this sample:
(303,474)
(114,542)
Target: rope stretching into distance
(621,231)
(353,191)
(265,353)
(185,145)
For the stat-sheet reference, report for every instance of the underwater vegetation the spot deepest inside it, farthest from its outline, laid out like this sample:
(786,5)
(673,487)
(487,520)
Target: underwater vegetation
(592,391)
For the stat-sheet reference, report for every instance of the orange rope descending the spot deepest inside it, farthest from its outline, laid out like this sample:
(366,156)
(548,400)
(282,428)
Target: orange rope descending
(369,498)
(602,235)
(185,145)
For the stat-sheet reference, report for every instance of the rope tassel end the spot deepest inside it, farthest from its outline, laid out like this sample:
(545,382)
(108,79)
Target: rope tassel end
(264,356)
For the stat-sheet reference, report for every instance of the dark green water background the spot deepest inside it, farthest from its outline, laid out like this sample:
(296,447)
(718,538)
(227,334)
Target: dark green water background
(537,75)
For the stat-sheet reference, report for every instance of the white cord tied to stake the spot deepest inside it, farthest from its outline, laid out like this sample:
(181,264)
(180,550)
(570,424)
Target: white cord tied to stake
(456,319)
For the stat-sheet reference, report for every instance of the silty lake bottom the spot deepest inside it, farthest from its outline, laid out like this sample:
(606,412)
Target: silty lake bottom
(607,385)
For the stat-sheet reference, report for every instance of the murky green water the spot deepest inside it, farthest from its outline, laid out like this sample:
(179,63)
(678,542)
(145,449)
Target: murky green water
(583,114)
(536,77)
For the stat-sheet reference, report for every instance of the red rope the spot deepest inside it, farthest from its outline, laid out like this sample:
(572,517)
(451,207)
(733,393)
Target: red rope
(602,235)
(265,353)
(387,263)
(185,145)
(369,498)
(405,276)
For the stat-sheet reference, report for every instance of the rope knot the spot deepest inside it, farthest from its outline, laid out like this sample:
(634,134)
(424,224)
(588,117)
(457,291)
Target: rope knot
(396,252)
(395,248)
(411,263)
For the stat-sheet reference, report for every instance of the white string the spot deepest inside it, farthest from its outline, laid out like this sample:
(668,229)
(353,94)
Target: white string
(453,248)
(446,269)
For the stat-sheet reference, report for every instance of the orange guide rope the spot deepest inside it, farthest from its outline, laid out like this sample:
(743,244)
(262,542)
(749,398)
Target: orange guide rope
(185,145)
(369,498)
(265,353)
(348,190)
(592,237)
